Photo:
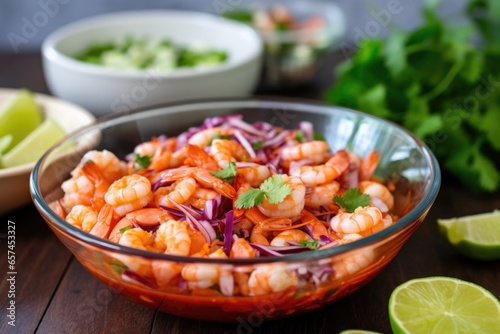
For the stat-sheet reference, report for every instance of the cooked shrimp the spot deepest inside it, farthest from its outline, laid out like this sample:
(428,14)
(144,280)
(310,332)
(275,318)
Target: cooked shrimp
(384,223)
(202,176)
(58,208)
(242,249)
(271,278)
(111,167)
(197,157)
(129,193)
(77,190)
(321,195)
(262,231)
(378,190)
(225,151)
(315,226)
(354,263)
(106,221)
(204,137)
(361,219)
(200,276)
(293,203)
(181,192)
(255,175)
(201,196)
(289,235)
(368,165)
(315,175)
(83,217)
(305,150)
(172,237)
(241,280)
(140,239)
(198,241)
(246,225)
(101,185)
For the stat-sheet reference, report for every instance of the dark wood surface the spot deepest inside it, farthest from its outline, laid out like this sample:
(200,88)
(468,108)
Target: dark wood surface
(55,294)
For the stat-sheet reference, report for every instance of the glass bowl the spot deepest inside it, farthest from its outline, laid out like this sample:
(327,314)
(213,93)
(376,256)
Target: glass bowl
(293,57)
(322,276)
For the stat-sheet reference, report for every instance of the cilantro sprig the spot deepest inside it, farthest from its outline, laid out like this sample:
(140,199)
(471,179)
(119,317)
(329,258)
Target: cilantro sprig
(310,243)
(352,199)
(143,161)
(440,83)
(226,174)
(273,188)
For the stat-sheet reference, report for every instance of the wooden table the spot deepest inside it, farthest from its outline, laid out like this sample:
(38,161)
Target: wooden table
(55,294)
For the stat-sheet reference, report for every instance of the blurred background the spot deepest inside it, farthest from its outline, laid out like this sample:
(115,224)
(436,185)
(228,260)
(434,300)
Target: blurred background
(24,24)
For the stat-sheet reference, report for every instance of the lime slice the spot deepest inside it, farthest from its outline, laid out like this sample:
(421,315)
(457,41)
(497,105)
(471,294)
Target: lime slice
(443,305)
(476,236)
(34,145)
(5,143)
(19,117)
(357,331)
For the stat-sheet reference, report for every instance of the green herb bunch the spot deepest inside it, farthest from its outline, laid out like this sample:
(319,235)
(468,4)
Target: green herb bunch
(441,82)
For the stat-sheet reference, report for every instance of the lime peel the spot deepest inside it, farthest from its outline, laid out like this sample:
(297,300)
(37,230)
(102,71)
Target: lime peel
(474,236)
(443,305)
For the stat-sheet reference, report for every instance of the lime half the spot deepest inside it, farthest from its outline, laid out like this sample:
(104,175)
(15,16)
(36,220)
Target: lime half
(443,305)
(357,331)
(476,236)
(34,145)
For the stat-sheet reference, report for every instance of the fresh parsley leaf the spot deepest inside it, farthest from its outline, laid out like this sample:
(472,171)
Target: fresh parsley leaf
(143,161)
(352,199)
(318,136)
(258,145)
(249,199)
(310,243)
(226,174)
(273,188)
(219,136)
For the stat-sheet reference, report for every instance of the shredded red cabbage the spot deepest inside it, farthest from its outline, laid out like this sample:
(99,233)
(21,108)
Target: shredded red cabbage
(245,143)
(228,232)
(242,125)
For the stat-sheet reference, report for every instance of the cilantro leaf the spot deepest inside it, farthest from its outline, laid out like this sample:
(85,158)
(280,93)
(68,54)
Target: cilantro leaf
(258,145)
(142,160)
(299,136)
(226,174)
(249,199)
(310,243)
(318,136)
(273,188)
(219,136)
(352,199)
(124,229)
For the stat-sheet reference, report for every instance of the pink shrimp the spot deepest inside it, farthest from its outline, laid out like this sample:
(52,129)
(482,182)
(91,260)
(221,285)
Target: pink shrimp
(225,151)
(361,219)
(139,239)
(204,137)
(321,195)
(263,230)
(376,189)
(242,249)
(181,192)
(290,235)
(129,193)
(368,165)
(293,203)
(255,175)
(267,279)
(315,226)
(82,216)
(315,175)
(197,157)
(305,150)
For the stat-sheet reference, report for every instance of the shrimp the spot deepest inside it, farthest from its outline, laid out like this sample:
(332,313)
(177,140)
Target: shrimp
(314,175)
(241,280)
(368,165)
(255,175)
(198,241)
(289,235)
(262,231)
(101,185)
(204,137)
(203,275)
(202,176)
(246,225)
(201,196)
(58,208)
(305,150)
(182,191)
(111,167)
(82,216)
(197,157)
(384,223)
(242,249)
(322,195)
(353,264)
(141,217)
(129,193)
(293,203)
(106,221)
(225,151)
(77,190)
(172,237)
(376,189)
(139,239)
(315,226)
(271,278)
(361,219)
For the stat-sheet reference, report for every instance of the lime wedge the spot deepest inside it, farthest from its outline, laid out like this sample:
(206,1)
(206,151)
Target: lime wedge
(34,145)
(476,236)
(443,305)
(5,143)
(19,117)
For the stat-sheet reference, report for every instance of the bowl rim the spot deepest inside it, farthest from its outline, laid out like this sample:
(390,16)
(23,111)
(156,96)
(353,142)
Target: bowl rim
(51,53)
(248,102)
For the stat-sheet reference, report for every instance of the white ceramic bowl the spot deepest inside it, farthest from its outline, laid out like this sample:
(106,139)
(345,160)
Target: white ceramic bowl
(14,181)
(103,90)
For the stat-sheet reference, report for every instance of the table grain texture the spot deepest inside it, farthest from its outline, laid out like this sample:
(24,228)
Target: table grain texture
(55,294)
